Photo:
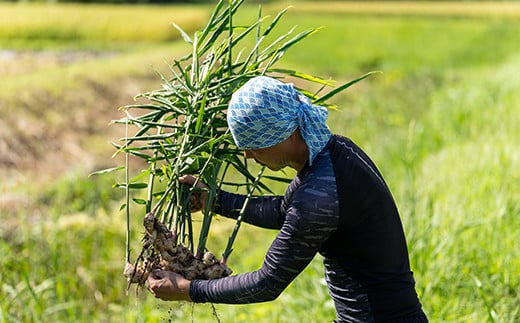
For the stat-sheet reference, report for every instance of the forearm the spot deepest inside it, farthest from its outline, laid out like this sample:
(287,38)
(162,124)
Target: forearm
(285,259)
(261,211)
(253,287)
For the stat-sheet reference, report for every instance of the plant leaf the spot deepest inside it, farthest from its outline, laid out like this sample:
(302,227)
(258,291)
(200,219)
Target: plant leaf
(183,33)
(107,170)
(327,96)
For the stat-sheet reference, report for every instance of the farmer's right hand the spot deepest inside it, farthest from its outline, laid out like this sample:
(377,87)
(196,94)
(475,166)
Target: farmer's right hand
(169,286)
(199,196)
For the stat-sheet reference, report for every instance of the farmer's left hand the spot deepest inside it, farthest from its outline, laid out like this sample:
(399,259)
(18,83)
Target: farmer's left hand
(169,286)
(198,198)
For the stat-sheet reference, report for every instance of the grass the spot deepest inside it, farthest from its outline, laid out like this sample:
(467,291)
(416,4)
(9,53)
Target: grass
(86,26)
(441,122)
(442,9)
(465,197)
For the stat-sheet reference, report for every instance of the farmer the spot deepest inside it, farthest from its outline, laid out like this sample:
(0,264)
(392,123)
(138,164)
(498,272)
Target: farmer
(338,205)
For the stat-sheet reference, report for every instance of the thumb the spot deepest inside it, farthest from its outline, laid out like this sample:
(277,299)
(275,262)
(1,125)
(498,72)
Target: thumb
(157,274)
(187,179)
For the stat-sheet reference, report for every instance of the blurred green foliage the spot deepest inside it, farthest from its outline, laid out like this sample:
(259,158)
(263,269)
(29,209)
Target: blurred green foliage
(441,122)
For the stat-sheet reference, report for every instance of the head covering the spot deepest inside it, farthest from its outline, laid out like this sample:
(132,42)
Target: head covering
(266,111)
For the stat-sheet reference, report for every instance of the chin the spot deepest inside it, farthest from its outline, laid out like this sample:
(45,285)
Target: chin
(275,168)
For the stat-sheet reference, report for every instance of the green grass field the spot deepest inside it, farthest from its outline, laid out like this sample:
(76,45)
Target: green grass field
(441,122)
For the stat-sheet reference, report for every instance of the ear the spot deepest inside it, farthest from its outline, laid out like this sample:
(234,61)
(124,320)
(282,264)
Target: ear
(296,135)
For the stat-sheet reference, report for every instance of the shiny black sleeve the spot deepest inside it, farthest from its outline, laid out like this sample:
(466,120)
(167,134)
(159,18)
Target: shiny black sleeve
(311,215)
(264,212)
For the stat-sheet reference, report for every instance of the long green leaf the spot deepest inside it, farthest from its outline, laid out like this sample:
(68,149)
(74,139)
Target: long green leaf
(332,93)
(183,34)
(107,170)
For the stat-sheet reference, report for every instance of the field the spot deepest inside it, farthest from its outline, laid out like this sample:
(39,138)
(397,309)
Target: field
(441,122)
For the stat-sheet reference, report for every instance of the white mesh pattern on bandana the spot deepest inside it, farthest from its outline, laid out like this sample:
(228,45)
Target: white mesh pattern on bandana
(266,111)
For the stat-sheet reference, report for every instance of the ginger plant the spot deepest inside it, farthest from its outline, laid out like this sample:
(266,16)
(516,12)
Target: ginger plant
(181,129)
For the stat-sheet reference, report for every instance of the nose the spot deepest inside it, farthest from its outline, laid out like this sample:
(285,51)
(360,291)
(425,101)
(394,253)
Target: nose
(247,153)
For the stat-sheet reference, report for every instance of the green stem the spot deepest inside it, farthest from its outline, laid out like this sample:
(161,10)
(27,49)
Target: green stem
(230,36)
(178,214)
(208,209)
(151,179)
(127,196)
(231,241)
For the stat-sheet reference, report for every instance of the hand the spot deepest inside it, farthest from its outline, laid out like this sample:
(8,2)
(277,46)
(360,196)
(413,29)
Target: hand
(199,197)
(169,286)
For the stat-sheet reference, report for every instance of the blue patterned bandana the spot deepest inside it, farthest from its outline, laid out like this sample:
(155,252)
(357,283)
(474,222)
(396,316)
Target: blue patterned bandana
(265,112)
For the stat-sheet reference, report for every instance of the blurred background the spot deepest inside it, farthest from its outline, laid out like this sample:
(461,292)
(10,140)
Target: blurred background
(441,122)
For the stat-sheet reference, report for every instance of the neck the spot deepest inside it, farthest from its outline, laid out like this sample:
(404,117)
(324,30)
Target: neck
(299,151)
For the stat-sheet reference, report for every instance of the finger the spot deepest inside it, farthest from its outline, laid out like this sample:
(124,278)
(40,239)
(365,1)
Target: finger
(157,274)
(151,281)
(191,180)
(187,179)
(196,205)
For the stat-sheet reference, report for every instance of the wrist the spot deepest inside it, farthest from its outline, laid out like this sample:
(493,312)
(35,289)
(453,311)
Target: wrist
(185,289)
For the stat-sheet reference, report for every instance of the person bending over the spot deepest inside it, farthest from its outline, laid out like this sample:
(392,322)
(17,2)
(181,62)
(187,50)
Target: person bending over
(337,205)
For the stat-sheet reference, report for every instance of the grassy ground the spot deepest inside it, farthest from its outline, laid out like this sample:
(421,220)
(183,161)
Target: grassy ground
(92,26)
(441,122)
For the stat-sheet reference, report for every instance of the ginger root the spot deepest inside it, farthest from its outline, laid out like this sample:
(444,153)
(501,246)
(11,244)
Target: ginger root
(160,252)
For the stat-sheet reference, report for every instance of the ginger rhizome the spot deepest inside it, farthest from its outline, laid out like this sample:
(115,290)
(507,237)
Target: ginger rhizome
(160,251)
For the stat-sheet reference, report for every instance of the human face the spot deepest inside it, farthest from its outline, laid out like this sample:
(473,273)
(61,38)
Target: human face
(273,157)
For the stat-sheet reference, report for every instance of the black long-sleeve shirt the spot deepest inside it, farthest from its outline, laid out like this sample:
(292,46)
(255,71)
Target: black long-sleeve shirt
(341,208)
